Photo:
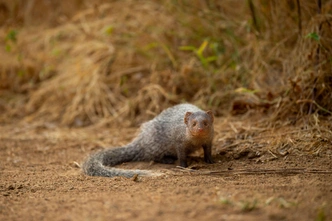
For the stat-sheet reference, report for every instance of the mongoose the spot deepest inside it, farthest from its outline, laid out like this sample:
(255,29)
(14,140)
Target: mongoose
(173,134)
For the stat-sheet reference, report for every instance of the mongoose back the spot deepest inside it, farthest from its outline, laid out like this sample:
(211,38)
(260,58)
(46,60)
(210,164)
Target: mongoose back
(173,134)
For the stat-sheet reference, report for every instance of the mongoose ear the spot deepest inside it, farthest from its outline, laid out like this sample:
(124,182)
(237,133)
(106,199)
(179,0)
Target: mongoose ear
(210,114)
(186,117)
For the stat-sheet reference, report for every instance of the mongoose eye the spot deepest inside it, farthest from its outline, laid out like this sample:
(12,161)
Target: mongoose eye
(194,123)
(205,123)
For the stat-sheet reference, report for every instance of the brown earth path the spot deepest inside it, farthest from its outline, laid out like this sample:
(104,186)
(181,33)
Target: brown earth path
(41,181)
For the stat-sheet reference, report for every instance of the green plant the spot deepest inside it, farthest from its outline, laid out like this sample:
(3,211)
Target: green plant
(247,206)
(199,52)
(11,37)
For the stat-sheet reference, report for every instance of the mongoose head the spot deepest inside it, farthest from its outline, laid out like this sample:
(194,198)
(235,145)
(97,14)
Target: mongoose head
(200,124)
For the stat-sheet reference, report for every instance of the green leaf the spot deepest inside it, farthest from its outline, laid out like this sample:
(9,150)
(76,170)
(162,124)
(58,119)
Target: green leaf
(169,53)
(202,60)
(217,48)
(109,30)
(150,46)
(12,36)
(313,35)
(8,48)
(56,52)
(20,73)
(211,58)
(187,48)
(245,90)
(202,47)
(321,216)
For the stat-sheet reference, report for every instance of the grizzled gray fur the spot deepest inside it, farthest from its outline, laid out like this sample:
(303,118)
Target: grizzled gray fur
(173,134)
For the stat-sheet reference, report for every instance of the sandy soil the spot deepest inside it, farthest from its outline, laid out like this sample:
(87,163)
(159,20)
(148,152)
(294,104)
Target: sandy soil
(253,178)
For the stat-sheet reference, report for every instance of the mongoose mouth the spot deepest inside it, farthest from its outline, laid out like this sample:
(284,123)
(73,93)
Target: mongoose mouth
(200,133)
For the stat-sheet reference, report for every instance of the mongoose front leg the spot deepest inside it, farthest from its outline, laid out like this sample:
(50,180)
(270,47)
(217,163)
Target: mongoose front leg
(183,163)
(207,153)
(182,156)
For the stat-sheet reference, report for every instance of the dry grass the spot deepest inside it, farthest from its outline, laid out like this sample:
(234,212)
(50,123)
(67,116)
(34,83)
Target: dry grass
(126,61)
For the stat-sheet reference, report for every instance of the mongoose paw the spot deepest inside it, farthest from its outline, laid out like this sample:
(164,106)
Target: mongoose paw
(209,160)
(183,164)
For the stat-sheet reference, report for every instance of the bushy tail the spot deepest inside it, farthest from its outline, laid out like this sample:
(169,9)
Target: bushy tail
(100,163)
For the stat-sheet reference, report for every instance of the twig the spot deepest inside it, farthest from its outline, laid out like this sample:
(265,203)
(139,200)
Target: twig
(253,14)
(319,6)
(274,156)
(274,171)
(130,71)
(251,140)
(236,144)
(289,171)
(185,169)
(77,164)
(299,15)
(314,102)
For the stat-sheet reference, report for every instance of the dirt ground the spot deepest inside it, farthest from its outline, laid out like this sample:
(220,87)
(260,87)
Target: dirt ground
(283,173)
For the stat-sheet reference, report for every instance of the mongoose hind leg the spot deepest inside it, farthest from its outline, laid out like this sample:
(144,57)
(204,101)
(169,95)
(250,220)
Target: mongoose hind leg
(182,155)
(167,160)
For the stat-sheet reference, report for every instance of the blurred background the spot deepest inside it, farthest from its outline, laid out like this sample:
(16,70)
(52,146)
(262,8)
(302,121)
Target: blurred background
(86,62)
